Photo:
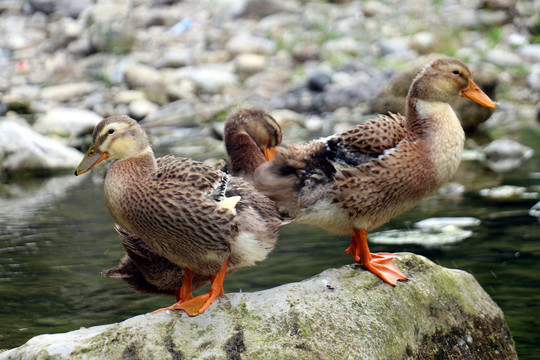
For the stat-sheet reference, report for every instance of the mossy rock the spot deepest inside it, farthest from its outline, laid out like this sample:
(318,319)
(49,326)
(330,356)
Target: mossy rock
(345,313)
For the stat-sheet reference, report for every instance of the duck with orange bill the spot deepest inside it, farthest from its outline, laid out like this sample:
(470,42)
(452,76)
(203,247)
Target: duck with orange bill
(353,182)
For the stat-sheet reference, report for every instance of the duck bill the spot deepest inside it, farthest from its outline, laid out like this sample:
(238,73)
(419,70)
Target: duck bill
(475,94)
(91,159)
(269,154)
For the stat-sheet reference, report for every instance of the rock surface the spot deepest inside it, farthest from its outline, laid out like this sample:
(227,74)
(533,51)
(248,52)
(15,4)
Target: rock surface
(344,313)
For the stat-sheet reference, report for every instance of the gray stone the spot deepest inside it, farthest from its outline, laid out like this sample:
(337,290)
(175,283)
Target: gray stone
(504,154)
(262,8)
(249,64)
(139,109)
(246,43)
(66,121)
(139,76)
(508,192)
(535,210)
(530,52)
(66,92)
(503,58)
(175,58)
(208,78)
(23,149)
(345,313)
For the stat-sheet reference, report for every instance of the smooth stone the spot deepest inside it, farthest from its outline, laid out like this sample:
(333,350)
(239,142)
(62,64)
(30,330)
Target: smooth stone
(138,109)
(66,121)
(249,63)
(337,314)
(438,224)
(246,43)
(448,235)
(67,92)
(503,58)
(23,149)
(503,155)
(208,78)
(139,76)
(530,52)
(535,210)
(175,58)
(507,192)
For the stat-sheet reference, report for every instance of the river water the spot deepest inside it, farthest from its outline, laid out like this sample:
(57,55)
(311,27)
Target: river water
(56,236)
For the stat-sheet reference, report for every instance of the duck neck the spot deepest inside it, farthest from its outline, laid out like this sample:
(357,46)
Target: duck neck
(244,154)
(437,127)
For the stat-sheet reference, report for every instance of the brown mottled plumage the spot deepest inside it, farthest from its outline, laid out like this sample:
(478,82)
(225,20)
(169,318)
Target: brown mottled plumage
(251,135)
(197,217)
(355,181)
(148,273)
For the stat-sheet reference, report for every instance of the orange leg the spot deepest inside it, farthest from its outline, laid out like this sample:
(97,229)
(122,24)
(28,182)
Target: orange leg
(185,292)
(381,264)
(196,306)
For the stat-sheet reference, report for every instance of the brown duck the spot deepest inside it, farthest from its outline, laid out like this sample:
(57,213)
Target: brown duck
(353,182)
(251,136)
(197,217)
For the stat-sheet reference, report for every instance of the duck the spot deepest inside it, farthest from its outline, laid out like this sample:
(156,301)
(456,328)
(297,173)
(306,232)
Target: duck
(352,182)
(199,218)
(250,135)
(146,272)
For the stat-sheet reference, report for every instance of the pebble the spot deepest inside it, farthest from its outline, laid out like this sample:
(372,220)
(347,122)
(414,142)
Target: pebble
(322,61)
(508,192)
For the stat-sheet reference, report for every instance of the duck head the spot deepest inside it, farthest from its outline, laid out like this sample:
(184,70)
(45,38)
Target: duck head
(117,137)
(444,79)
(258,125)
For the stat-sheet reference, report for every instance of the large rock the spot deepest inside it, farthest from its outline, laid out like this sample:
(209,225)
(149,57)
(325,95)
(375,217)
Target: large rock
(345,313)
(22,149)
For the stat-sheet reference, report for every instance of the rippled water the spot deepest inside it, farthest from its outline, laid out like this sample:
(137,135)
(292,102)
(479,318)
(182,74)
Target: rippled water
(56,236)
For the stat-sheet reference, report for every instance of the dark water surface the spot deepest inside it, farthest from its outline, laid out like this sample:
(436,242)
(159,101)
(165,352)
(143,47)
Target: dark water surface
(56,236)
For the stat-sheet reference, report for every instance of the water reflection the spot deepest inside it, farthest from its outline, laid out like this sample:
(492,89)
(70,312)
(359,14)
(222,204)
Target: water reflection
(56,236)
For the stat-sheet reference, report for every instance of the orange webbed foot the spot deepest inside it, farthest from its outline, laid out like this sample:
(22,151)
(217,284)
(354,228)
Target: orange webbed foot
(195,306)
(381,264)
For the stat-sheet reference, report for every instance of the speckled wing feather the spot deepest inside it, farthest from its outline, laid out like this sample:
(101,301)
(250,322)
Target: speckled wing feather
(374,136)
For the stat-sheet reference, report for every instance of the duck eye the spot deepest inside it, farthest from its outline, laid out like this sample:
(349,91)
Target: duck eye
(91,153)
(456,72)
(110,131)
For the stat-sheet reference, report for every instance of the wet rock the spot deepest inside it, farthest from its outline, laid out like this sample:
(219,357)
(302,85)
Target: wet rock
(508,192)
(439,313)
(535,210)
(438,224)
(431,232)
(23,149)
(504,155)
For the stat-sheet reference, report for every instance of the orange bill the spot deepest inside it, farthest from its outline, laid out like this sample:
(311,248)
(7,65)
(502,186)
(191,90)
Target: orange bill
(475,94)
(91,159)
(269,154)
